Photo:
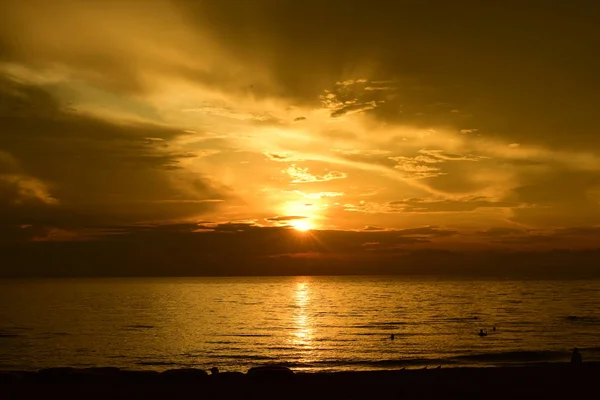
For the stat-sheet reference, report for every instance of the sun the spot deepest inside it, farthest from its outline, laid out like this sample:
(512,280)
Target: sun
(301,225)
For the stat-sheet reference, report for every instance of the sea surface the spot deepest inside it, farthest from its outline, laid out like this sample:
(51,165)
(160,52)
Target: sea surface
(306,323)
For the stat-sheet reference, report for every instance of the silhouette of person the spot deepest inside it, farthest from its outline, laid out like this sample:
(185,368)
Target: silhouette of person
(576,357)
(392,336)
(494,329)
(482,333)
(214,370)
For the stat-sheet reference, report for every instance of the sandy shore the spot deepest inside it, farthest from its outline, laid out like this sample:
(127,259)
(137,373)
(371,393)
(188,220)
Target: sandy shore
(540,381)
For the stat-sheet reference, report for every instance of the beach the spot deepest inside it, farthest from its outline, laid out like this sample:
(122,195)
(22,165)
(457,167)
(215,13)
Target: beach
(331,336)
(552,380)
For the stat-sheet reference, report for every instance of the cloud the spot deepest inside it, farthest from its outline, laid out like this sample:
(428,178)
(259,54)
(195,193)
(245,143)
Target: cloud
(586,237)
(19,189)
(441,156)
(276,157)
(372,152)
(349,82)
(301,175)
(419,167)
(245,248)
(318,195)
(371,88)
(559,198)
(373,228)
(415,170)
(366,207)
(341,102)
(285,218)
(285,157)
(581,237)
(501,231)
(431,231)
(417,205)
(353,109)
(228,112)
(91,170)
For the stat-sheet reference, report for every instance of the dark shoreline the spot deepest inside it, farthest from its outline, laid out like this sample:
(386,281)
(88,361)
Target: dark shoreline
(552,380)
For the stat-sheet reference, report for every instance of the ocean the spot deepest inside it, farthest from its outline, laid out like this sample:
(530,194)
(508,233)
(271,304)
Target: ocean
(306,323)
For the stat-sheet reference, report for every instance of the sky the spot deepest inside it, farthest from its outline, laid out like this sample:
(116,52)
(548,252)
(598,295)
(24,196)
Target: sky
(281,137)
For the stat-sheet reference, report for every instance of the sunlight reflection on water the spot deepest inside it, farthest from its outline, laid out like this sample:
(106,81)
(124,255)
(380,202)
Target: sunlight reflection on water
(302,336)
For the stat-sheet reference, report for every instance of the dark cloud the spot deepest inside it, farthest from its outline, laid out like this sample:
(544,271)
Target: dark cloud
(277,157)
(579,231)
(560,198)
(429,47)
(243,249)
(468,204)
(373,228)
(67,168)
(285,218)
(584,236)
(351,109)
(487,73)
(426,230)
(11,234)
(501,231)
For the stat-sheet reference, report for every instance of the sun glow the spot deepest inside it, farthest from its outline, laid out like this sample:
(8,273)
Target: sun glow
(302,225)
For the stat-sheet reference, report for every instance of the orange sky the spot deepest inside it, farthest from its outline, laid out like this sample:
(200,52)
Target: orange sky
(415,125)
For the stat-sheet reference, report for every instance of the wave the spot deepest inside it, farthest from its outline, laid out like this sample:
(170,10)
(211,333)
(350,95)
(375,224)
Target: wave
(219,342)
(155,363)
(12,332)
(287,348)
(514,356)
(462,319)
(139,327)
(15,328)
(9,335)
(379,325)
(243,357)
(593,349)
(365,363)
(501,358)
(582,320)
(53,334)
(494,358)
(249,335)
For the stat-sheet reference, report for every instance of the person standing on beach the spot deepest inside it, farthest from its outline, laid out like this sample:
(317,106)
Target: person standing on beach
(576,357)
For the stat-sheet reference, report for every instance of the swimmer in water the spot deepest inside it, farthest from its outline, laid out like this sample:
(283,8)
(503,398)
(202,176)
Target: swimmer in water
(576,358)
